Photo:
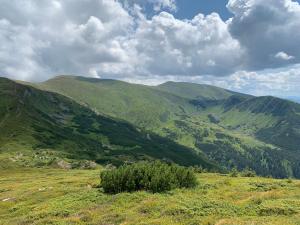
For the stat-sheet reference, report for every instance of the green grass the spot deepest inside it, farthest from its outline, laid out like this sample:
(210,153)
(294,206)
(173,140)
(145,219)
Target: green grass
(53,196)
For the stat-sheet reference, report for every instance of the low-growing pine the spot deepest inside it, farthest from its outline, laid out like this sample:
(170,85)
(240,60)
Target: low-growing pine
(149,176)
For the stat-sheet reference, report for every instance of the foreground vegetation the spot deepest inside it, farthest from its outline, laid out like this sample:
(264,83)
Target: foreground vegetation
(55,196)
(147,176)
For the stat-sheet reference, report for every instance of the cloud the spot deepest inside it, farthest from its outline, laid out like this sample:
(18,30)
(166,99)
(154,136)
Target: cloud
(278,82)
(55,37)
(156,5)
(266,28)
(43,38)
(168,46)
(116,39)
(283,56)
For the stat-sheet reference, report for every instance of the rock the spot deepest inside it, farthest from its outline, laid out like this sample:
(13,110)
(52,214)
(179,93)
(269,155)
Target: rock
(110,167)
(64,165)
(88,165)
(8,200)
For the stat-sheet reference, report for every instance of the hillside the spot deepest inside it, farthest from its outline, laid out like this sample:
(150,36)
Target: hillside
(233,129)
(40,128)
(135,103)
(195,91)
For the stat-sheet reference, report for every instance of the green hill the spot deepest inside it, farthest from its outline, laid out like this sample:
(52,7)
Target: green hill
(135,103)
(195,91)
(233,129)
(40,128)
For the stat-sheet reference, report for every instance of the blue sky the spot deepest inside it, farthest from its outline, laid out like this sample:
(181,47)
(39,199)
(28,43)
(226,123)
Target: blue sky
(187,9)
(149,42)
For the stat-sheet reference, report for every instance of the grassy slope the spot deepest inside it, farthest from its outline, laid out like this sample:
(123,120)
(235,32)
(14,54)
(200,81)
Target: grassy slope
(245,134)
(47,196)
(195,91)
(138,104)
(38,128)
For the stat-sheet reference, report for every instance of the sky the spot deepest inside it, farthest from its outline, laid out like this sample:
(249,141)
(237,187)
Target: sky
(187,9)
(250,46)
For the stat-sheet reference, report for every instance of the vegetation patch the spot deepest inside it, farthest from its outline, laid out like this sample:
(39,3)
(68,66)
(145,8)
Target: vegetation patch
(276,211)
(151,176)
(263,186)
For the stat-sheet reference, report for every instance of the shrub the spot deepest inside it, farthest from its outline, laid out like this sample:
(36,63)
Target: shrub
(198,169)
(234,173)
(248,173)
(151,176)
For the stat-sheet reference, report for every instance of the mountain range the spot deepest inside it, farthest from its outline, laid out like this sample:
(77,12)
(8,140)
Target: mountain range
(109,121)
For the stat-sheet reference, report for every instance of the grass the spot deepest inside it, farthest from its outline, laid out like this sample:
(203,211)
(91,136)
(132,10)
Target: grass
(55,196)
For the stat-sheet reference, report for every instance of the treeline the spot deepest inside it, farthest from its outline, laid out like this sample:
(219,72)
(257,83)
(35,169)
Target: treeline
(149,176)
(264,161)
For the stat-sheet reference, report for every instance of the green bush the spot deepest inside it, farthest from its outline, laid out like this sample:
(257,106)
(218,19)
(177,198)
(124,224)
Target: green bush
(234,173)
(248,173)
(151,176)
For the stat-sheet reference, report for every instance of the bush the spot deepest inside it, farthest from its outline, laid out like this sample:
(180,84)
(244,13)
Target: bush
(234,173)
(152,176)
(248,173)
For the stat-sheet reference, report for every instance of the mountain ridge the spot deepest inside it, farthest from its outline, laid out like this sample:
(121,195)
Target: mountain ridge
(215,125)
(39,128)
(233,129)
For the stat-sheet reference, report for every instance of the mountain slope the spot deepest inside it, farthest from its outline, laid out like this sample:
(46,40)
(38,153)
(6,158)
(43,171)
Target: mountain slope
(195,91)
(270,119)
(236,130)
(135,103)
(41,125)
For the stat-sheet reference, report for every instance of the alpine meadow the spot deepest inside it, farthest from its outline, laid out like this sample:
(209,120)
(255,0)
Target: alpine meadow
(151,112)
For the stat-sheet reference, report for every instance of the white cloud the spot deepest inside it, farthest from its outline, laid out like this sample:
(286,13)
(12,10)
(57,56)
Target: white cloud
(109,38)
(266,28)
(164,4)
(157,5)
(282,82)
(203,45)
(43,38)
(279,82)
(283,56)
(55,37)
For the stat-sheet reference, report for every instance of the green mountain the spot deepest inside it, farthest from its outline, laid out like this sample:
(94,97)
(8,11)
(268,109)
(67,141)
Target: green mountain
(233,129)
(40,128)
(139,104)
(195,91)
